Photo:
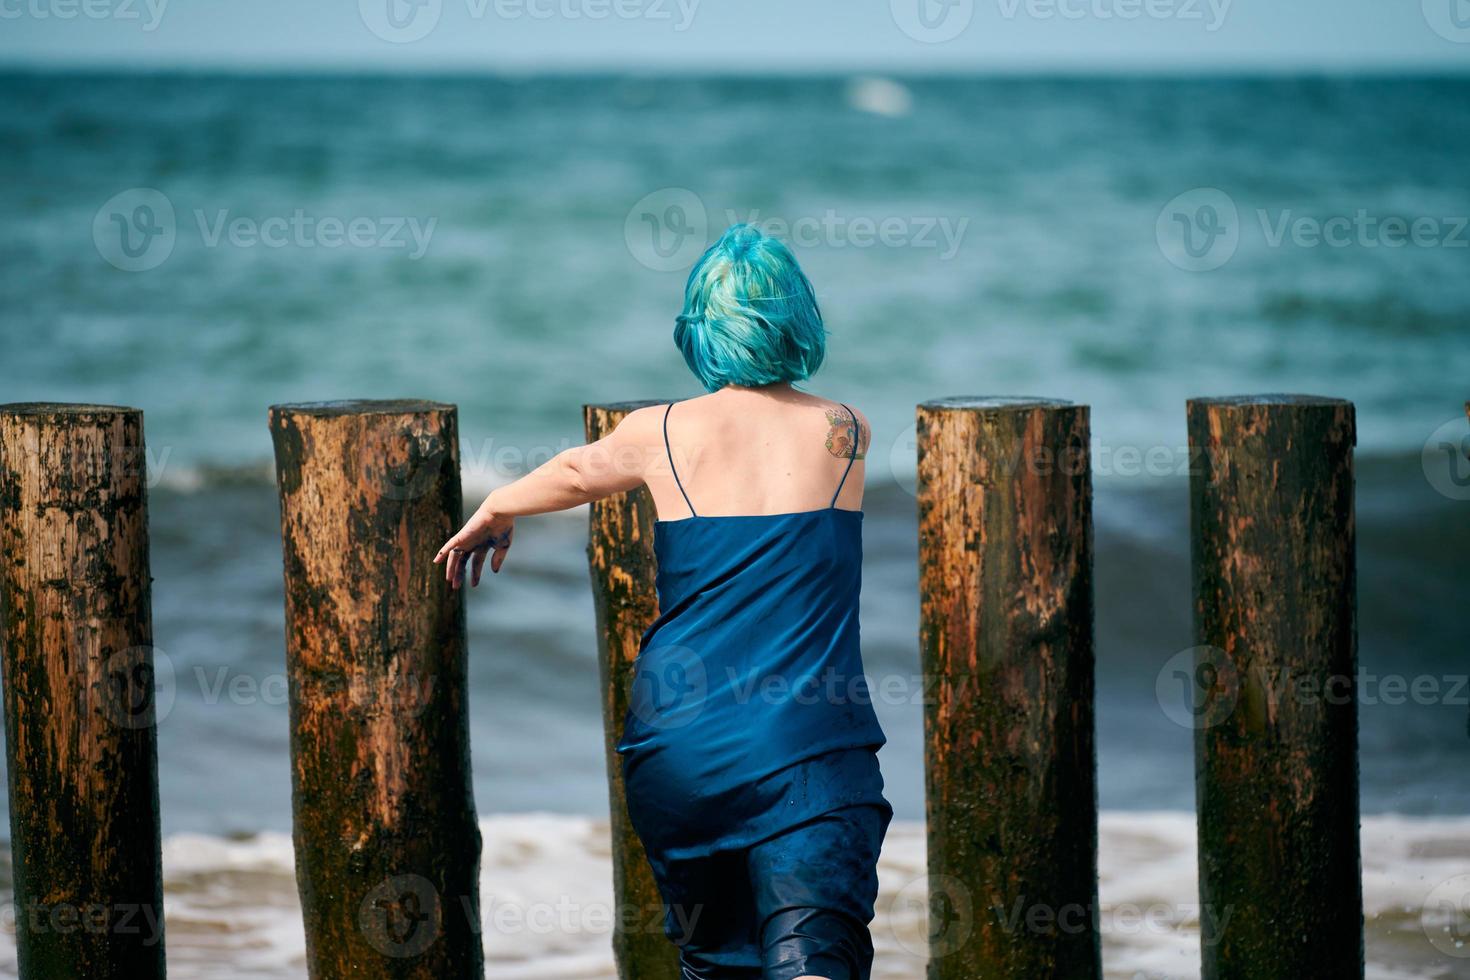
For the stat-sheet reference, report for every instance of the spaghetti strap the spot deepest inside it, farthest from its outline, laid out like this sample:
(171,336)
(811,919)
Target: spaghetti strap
(672,468)
(851,456)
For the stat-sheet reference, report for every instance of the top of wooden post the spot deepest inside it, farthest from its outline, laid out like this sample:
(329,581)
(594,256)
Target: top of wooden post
(1284,401)
(994,403)
(65,408)
(625,407)
(361,406)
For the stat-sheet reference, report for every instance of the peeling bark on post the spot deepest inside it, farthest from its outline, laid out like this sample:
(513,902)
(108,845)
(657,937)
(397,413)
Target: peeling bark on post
(1006,636)
(620,556)
(1276,770)
(80,718)
(387,845)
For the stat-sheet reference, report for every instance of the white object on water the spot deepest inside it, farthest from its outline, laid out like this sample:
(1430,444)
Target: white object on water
(880,96)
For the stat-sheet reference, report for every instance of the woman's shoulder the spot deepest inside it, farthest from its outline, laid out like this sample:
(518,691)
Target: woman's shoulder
(834,415)
(840,434)
(844,411)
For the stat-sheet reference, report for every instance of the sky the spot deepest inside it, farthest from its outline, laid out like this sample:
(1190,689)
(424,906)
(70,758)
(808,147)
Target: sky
(723,36)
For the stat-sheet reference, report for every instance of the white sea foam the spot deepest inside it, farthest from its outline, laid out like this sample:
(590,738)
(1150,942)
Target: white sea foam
(546,900)
(879,96)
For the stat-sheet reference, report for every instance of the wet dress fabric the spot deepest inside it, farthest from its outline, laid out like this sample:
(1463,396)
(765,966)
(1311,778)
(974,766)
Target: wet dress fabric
(749,746)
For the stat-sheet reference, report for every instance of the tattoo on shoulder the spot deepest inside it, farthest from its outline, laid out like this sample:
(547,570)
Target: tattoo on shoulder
(840,435)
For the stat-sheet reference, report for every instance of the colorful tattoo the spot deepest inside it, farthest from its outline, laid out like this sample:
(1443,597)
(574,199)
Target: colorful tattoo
(840,435)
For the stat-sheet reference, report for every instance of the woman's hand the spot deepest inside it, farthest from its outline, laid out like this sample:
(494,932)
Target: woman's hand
(579,475)
(482,534)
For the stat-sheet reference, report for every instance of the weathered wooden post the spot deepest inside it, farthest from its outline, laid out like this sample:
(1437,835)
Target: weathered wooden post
(80,721)
(1272,528)
(387,846)
(1006,637)
(620,556)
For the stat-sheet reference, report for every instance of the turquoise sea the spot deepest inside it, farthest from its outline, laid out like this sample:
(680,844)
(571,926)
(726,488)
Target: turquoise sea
(202,246)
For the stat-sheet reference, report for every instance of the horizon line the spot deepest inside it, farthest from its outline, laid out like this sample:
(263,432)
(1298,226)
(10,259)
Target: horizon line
(1414,68)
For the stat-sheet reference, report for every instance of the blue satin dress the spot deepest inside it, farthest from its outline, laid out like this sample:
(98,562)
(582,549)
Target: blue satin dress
(749,746)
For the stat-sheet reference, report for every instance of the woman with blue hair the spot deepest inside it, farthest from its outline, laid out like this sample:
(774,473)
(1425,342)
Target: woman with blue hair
(749,747)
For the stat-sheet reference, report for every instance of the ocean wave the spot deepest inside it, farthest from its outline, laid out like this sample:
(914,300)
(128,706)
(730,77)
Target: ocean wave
(546,900)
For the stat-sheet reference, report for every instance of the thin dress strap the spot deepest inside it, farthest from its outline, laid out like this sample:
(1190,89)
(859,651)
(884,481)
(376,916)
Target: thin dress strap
(851,456)
(672,469)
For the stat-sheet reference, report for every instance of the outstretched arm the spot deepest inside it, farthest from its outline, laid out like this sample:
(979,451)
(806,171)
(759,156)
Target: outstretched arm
(579,475)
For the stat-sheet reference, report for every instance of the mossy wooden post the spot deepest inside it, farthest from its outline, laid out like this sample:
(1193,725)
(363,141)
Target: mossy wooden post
(80,717)
(1006,639)
(620,556)
(387,846)
(1276,771)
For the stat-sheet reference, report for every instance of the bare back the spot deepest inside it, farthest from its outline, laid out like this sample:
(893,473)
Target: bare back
(756,451)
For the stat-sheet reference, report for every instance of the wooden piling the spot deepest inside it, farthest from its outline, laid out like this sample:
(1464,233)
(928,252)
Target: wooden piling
(80,724)
(1276,776)
(387,845)
(1006,639)
(620,557)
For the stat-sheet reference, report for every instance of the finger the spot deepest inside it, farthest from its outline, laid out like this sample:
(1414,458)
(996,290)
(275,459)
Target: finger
(479,566)
(499,558)
(448,547)
(451,568)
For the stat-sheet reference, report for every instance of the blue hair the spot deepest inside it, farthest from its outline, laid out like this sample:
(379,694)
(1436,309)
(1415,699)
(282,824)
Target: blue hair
(750,315)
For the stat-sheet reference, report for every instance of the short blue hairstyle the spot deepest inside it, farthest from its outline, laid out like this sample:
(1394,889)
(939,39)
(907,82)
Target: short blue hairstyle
(750,315)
